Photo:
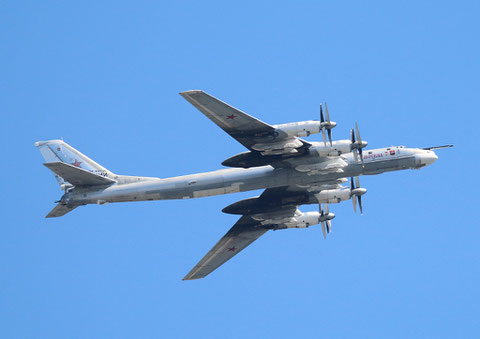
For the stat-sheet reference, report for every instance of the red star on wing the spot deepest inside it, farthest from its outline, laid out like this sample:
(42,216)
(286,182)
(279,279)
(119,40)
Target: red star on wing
(76,163)
(231,117)
(232,249)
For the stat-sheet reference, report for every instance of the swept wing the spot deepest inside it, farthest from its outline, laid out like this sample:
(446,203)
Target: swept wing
(271,210)
(252,133)
(242,234)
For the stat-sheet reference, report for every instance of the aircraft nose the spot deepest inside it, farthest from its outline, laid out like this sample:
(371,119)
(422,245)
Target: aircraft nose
(427,158)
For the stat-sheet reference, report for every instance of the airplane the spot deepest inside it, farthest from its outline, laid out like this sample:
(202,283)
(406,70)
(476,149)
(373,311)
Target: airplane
(292,172)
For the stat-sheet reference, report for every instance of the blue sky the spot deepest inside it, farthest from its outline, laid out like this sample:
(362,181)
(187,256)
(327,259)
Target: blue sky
(105,77)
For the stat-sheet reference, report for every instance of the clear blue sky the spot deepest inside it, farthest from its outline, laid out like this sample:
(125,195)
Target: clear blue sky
(105,77)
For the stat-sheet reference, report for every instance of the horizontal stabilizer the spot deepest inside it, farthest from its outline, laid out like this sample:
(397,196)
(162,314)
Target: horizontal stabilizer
(77,176)
(60,210)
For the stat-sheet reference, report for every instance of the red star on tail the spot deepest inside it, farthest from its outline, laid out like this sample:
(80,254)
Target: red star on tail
(77,163)
(232,249)
(231,117)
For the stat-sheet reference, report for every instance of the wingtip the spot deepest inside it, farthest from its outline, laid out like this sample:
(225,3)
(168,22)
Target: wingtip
(190,92)
(190,278)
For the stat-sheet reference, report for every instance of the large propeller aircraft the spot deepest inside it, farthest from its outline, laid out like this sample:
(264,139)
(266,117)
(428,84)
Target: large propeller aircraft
(292,171)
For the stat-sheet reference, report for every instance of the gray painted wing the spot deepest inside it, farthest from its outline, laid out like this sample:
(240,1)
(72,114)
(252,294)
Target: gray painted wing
(272,203)
(60,210)
(242,234)
(77,176)
(244,128)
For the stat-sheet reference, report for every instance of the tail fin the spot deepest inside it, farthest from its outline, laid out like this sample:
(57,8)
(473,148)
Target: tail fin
(55,151)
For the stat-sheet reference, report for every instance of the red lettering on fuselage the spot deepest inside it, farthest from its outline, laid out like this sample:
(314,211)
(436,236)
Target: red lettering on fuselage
(379,155)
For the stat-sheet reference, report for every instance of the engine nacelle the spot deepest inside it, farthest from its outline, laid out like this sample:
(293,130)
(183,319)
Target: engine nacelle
(338,147)
(333,196)
(316,187)
(300,129)
(301,220)
(308,219)
(280,147)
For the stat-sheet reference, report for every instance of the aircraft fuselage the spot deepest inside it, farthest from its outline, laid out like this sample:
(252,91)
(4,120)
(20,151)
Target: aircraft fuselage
(234,180)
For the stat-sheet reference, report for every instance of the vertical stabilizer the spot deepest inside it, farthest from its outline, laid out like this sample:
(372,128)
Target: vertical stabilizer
(54,151)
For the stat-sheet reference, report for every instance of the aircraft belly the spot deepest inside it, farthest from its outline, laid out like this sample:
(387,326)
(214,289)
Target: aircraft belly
(209,192)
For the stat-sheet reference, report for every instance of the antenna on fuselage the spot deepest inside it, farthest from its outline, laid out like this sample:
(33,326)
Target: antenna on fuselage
(436,147)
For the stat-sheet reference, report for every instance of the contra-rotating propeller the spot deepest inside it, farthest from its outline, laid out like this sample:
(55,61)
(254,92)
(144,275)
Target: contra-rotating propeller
(356,194)
(325,219)
(326,125)
(357,144)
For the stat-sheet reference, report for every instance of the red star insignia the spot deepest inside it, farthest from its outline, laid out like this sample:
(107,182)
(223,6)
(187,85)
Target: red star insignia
(77,163)
(231,117)
(232,249)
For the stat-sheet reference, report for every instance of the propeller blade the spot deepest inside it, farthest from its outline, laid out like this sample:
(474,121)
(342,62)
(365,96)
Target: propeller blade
(329,226)
(357,145)
(326,112)
(322,120)
(354,196)
(326,208)
(358,133)
(323,230)
(329,131)
(359,197)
